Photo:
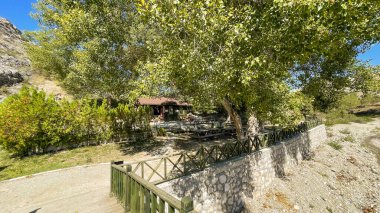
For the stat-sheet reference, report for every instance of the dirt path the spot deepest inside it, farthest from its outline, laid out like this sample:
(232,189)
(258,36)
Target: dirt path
(76,189)
(341,179)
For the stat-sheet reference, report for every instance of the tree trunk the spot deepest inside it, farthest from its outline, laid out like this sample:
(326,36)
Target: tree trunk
(254,125)
(235,118)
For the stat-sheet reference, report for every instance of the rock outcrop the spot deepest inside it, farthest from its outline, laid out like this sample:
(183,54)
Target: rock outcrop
(14,64)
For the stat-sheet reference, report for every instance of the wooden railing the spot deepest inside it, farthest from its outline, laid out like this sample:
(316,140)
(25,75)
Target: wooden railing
(138,195)
(133,184)
(186,126)
(164,168)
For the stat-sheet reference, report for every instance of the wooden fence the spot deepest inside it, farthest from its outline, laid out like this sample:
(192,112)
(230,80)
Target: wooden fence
(138,195)
(134,183)
(183,127)
(164,168)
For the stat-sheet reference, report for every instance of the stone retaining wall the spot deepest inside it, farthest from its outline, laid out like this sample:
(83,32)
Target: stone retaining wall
(221,188)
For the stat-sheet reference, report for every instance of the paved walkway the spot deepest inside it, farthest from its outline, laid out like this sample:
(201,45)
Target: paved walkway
(77,189)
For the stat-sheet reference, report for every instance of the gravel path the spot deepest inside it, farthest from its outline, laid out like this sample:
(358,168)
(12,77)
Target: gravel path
(76,189)
(335,180)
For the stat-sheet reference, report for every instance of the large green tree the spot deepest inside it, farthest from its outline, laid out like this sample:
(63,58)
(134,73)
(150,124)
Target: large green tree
(244,53)
(93,46)
(327,80)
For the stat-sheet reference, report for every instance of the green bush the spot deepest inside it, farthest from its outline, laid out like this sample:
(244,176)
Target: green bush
(369,99)
(341,115)
(161,132)
(25,121)
(32,122)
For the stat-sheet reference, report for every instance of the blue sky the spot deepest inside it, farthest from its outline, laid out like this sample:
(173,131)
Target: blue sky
(372,54)
(18,12)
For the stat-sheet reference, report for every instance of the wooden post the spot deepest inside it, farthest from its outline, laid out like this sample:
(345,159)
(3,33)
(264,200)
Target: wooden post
(184,163)
(249,144)
(154,203)
(163,112)
(142,198)
(142,170)
(147,203)
(202,158)
(127,189)
(111,178)
(161,205)
(165,169)
(186,204)
(133,196)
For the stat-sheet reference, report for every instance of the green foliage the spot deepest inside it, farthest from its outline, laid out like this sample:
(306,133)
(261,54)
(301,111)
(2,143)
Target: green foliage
(335,145)
(31,122)
(349,101)
(370,99)
(20,166)
(349,138)
(161,132)
(247,52)
(341,114)
(325,79)
(336,117)
(328,79)
(25,121)
(94,47)
(365,79)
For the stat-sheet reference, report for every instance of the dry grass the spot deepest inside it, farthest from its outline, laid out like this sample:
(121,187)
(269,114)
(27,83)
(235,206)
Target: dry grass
(283,200)
(349,138)
(335,145)
(48,85)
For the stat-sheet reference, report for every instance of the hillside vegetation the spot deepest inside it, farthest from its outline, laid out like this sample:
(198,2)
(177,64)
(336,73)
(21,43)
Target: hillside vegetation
(15,66)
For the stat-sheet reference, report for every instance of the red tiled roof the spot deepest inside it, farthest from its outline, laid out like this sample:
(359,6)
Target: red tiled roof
(161,101)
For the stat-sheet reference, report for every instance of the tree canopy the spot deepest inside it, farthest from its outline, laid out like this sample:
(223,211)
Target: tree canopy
(247,52)
(244,54)
(92,46)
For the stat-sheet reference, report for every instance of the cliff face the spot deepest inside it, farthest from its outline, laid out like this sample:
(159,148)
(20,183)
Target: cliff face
(14,64)
(15,67)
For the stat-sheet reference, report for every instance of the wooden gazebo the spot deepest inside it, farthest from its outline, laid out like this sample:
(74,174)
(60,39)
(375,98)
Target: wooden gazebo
(166,108)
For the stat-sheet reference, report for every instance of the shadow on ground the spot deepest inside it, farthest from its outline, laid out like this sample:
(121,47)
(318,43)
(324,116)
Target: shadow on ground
(165,145)
(131,148)
(369,142)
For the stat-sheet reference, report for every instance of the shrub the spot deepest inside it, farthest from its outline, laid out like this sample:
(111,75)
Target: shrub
(31,122)
(161,132)
(349,138)
(370,99)
(25,121)
(335,145)
(341,115)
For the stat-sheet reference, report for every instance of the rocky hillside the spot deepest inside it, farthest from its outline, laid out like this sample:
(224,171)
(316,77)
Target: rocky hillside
(12,55)
(15,67)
